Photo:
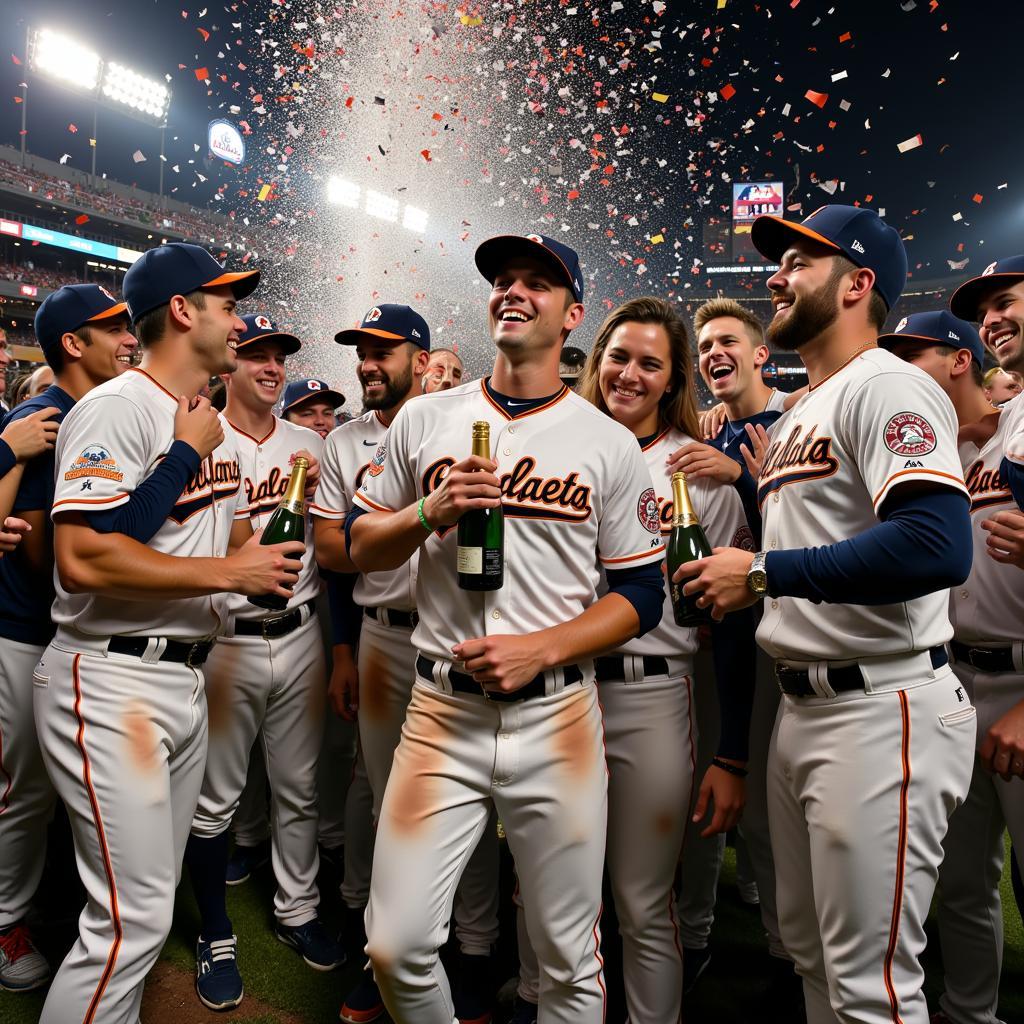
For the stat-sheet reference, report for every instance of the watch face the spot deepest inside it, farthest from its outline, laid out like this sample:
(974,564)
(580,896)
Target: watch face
(758,581)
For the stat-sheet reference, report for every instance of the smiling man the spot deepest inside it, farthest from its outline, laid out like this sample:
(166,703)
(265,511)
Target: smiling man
(874,743)
(504,711)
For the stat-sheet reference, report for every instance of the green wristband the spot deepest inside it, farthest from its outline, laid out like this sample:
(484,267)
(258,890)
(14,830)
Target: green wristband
(423,518)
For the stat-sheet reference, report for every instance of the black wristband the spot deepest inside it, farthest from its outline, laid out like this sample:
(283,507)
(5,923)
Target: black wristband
(732,769)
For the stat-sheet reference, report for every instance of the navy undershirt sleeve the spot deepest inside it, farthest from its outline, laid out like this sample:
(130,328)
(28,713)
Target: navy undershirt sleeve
(354,513)
(734,653)
(1012,474)
(644,588)
(923,544)
(142,515)
(345,612)
(7,459)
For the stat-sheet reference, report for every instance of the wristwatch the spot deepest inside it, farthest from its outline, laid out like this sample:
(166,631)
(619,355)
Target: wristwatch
(757,575)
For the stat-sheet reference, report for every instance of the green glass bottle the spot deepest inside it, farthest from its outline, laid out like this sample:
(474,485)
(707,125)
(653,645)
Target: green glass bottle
(686,543)
(481,533)
(287,522)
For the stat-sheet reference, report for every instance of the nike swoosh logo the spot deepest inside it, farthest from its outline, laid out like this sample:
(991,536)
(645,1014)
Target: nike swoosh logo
(515,405)
(370,442)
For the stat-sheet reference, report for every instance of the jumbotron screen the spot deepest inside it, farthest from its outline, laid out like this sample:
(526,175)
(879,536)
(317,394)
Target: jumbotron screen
(750,200)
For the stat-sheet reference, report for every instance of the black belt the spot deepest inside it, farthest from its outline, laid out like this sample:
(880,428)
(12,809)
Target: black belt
(613,666)
(275,625)
(190,653)
(796,682)
(393,617)
(984,659)
(462,683)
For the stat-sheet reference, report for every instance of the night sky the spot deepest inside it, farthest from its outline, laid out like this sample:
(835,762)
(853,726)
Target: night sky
(618,127)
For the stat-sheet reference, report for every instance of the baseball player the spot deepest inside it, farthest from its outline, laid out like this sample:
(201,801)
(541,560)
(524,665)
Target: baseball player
(312,403)
(504,711)
(731,351)
(143,555)
(83,332)
(874,742)
(444,370)
(987,613)
(1002,385)
(266,678)
(392,345)
(636,374)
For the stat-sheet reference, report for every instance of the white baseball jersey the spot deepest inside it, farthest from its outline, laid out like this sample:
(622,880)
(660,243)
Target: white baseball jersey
(833,459)
(347,454)
(109,443)
(720,512)
(777,402)
(266,471)
(989,606)
(561,505)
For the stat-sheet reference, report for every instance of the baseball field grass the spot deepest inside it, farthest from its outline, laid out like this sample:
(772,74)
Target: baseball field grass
(281,989)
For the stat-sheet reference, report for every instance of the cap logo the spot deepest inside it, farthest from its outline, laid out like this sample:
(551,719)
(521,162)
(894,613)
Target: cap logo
(374,314)
(263,323)
(414,332)
(901,325)
(313,385)
(535,238)
(990,269)
(857,247)
(105,292)
(955,337)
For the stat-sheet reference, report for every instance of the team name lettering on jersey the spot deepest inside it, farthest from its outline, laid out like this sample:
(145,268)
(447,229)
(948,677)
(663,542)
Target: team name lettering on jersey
(799,457)
(214,482)
(528,496)
(268,493)
(986,486)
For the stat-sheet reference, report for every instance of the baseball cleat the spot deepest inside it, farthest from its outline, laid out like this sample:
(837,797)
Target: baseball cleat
(22,966)
(318,949)
(218,983)
(363,1004)
(245,860)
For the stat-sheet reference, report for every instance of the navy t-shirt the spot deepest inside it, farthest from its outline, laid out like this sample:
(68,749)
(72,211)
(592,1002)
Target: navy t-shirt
(26,595)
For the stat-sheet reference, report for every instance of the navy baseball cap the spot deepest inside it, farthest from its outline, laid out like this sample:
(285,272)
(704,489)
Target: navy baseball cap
(939,327)
(178,268)
(1003,273)
(392,322)
(495,253)
(858,233)
(300,391)
(259,327)
(71,307)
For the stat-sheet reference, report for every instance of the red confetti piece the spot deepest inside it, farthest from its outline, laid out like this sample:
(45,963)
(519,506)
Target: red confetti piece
(977,197)
(425,153)
(82,218)
(203,33)
(72,128)
(202,74)
(573,194)
(727,91)
(819,99)
(348,102)
(845,37)
(16,61)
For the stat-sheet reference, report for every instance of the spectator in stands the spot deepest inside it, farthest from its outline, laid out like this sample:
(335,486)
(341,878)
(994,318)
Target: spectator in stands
(5,361)
(1002,385)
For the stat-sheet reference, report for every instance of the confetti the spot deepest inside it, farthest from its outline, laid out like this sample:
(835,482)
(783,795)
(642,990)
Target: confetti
(819,99)
(82,218)
(909,144)
(138,157)
(659,97)
(202,74)
(727,91)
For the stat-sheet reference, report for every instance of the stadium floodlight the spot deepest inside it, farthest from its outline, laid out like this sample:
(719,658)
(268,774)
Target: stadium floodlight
(344,193)
(414,219)
(144,95)
(63,58)
(382,206)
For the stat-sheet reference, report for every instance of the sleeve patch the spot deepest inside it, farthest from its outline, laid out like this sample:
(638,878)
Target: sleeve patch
(376,466)
(909,434)
(95,461)
(744,539)
(647,511)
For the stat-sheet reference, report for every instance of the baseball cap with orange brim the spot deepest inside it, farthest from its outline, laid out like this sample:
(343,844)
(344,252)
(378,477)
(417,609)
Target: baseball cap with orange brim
(179,268)
(71,307)
(389,321)
(1005,273)
(857,233)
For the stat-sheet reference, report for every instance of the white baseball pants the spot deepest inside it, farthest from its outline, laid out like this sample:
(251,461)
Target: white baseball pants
(124,743)
(541,764)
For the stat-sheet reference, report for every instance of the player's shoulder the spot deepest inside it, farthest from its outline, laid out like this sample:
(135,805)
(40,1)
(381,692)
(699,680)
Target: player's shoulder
(356,432)
(133,389)
(1011,414)
(440,403)
(879,371)
(598,421)
(52,397)
(304,437)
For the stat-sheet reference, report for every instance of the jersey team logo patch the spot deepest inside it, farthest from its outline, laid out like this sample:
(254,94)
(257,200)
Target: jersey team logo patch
(94,461)
(909,434)
(647,511)
(376,466)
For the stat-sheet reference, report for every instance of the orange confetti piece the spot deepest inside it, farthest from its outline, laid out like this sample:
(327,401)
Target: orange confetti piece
(819,99)
(202,74)
(573,194)
(203,33)
(977,197)
(845,37)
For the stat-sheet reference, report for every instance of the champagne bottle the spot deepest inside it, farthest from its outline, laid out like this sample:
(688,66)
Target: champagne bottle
(686,543)
(481,533)
(287,522)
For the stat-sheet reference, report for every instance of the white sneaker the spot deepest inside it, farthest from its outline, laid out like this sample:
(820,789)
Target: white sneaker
(22,966)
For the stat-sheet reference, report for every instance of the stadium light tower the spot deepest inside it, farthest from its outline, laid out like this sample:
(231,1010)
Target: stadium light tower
(71,64)
(376,204)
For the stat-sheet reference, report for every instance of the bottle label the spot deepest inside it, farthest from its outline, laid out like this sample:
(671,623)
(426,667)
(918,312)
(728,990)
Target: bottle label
(470,561)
